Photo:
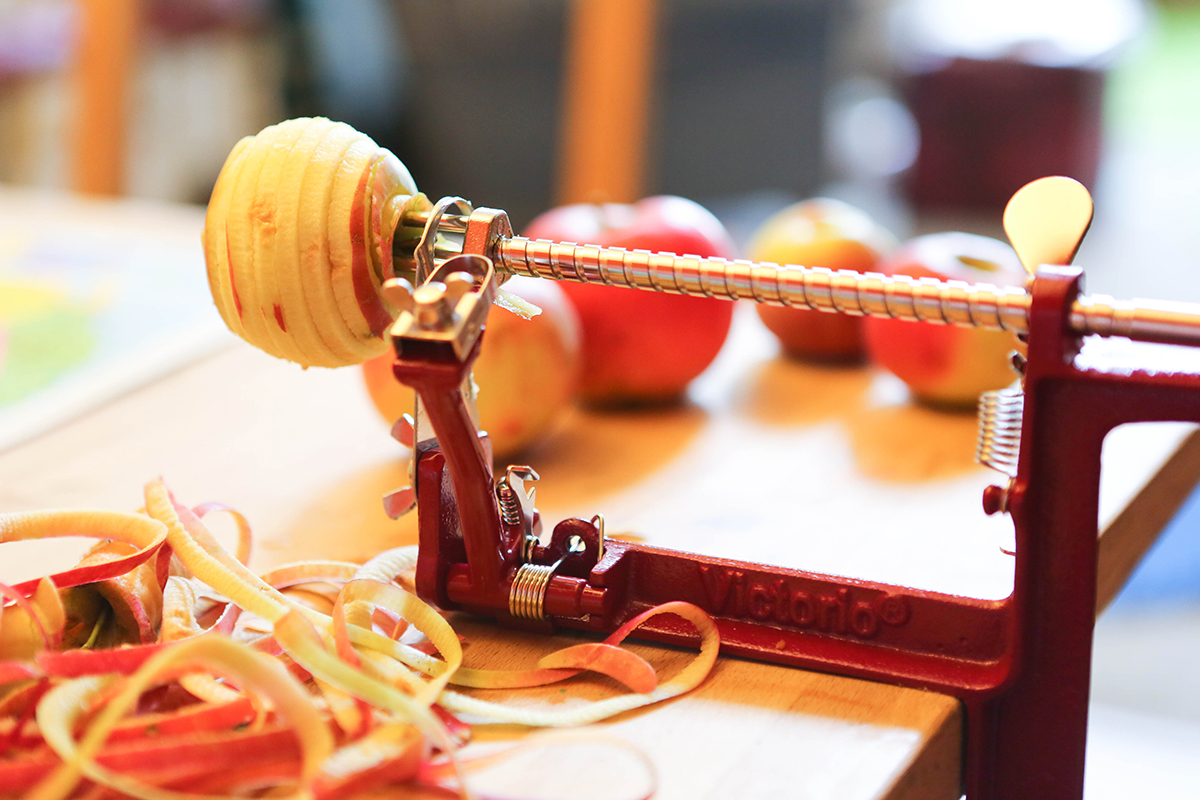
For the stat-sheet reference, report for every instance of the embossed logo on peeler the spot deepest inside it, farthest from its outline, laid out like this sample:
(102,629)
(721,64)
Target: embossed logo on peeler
(837,609)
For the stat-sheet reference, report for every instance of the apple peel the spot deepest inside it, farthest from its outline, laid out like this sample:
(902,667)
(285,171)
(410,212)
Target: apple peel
(31,623)
(245,535)
(516,304)
(63,708)
(622,665)
(136,529)
(685,680)
(375,710)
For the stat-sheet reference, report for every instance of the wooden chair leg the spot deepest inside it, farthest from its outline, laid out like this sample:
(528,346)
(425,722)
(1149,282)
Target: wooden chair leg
(108,32)
(606,101)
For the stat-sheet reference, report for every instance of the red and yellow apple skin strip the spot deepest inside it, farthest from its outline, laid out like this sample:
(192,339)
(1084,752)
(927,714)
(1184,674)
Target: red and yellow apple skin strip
(136,529)
(31,623)
(685,680)
(245,538)
(382,711)
(64,706)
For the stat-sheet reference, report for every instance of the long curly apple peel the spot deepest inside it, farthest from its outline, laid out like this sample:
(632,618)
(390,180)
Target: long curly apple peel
(314,571)
(179,622)
(420,614)
(135,529)
(302,641)
(396,748)
(618,664)
(397,563)
(244,540)
(335,673)
(685,680)
(380,664)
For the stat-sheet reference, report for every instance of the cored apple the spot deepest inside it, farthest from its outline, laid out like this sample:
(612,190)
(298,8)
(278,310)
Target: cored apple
(819,233)
(944,365)
(527,370)
(638,346)
(300,219)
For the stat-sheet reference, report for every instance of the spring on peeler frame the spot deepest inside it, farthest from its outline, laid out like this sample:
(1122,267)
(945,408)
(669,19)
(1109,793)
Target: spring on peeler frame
(510,506)
(526,599)
(527,595)
(999,443)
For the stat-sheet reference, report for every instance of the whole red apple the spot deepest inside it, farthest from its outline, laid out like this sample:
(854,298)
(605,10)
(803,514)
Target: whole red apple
(527,370)
(638,346)
(819,233)
(943,365)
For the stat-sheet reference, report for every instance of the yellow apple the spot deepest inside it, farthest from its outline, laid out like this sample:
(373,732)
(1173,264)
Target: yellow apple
(527,371)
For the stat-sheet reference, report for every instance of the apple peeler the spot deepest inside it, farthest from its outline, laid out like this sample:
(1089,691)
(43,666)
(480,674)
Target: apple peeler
(1020,666)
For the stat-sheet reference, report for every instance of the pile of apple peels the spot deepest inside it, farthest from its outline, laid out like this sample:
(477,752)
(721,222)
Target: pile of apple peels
(162,666)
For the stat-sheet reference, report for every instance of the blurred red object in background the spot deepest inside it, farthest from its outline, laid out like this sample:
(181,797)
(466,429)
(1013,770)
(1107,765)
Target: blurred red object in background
(1004,93)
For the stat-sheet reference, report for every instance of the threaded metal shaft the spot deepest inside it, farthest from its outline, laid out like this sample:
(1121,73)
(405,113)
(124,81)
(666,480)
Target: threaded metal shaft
(816,288)
(860,294)
(896,297)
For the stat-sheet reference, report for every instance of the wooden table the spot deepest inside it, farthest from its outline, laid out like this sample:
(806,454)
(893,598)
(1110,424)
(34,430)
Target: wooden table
(828,469)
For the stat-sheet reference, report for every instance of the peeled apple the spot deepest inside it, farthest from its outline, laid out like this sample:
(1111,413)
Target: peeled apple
(298,240)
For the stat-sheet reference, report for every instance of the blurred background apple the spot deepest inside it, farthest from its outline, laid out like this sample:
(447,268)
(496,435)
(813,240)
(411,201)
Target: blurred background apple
(819,233)
(642,347)
(943,365)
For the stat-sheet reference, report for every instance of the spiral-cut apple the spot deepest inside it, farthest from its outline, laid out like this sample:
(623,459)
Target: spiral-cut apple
(298,240)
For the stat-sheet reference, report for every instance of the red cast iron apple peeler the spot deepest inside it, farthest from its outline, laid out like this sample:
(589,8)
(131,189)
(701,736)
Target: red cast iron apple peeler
(1020,666)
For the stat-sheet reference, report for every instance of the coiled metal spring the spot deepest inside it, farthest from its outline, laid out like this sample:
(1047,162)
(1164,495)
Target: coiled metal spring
(527,598)
(510,506)
(512,500)
(999,443)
